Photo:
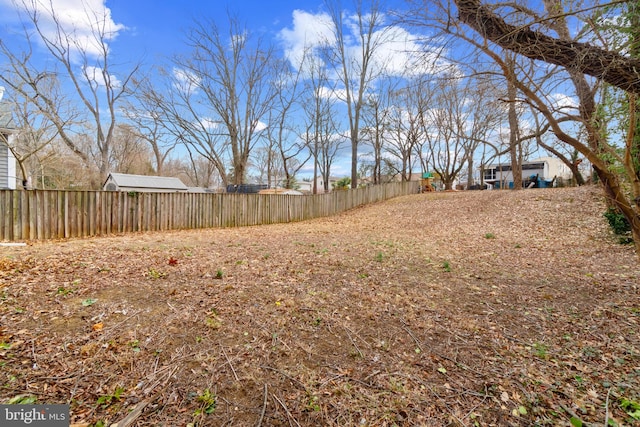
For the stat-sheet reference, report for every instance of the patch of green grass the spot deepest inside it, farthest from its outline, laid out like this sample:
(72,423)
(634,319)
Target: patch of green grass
(155,274)
(541,350)
(213,322)
(590,352)
(22,399)
(446,266)
(489,236)
(219,274)
(631,407)
(64,291)
(312,404)
(379,257)
(207,400)
(135,345)
(108,399)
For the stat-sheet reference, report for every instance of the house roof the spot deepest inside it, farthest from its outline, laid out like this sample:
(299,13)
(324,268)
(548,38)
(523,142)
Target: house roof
(6,118)
(145,181)
(535,162)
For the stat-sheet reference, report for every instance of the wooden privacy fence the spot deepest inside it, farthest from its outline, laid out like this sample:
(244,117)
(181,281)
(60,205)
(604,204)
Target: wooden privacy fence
(56,214)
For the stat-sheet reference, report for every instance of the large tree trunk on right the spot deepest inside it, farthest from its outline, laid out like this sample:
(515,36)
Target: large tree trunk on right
(611,67)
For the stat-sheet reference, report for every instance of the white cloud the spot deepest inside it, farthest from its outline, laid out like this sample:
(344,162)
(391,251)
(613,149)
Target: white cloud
(308,32)
(94,75)
(328,93)
(211,124)
(260,126)
(561,101)
(398,52)
(78,20)
(185,81)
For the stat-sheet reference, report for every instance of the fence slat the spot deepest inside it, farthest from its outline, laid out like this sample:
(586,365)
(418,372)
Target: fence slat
(52,214)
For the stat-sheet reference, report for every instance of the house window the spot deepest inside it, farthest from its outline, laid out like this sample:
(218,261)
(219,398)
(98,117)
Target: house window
(489,174)
(532,166)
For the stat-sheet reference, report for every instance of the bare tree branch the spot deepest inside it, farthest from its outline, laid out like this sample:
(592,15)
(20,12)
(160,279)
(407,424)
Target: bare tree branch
(612,67)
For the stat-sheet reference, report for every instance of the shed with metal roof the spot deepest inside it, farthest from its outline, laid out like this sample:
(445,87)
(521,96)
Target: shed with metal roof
(143,183)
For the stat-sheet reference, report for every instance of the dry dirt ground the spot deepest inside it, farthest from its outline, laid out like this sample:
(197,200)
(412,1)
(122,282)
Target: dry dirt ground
(463,309)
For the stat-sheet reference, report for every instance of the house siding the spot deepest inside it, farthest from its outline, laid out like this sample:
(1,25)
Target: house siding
(4,166)
(7,167)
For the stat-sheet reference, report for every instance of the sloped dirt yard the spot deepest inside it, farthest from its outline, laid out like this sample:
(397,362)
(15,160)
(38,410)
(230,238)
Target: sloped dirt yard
(490,308)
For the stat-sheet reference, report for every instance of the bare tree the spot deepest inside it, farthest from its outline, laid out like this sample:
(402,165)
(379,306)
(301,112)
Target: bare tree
(376,124)
(484,117)
(178,109)
(447,124)
(578,59)
(130,152)
(81,58)
(356,68)
(321,130)
(145,113)
(612,67)
(515,148)
(283,147)
(34,133)
(404,131)
(226,89)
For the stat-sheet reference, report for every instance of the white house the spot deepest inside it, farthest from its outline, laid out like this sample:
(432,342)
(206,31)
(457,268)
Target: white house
(7,160)
(545,169)
(143,183)
(307,186)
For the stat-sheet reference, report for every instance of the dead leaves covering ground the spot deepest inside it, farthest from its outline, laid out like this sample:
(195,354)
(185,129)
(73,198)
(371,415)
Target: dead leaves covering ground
(475,308)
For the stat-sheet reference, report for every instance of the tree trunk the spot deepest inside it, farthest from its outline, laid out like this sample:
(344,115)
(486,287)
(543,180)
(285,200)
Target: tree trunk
(514,131)
(611,67)
(615,195)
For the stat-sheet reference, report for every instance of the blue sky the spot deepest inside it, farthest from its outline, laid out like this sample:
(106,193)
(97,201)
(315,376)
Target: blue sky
(157,28)
(151,31)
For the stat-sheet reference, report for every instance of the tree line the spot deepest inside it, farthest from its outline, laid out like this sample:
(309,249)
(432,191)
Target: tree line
(478,82)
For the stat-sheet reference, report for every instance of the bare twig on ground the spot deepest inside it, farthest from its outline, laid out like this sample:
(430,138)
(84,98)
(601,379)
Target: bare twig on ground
(264,406)
(290,417)
(235,375)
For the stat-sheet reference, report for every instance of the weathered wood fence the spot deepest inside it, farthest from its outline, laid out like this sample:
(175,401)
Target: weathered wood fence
(57,214)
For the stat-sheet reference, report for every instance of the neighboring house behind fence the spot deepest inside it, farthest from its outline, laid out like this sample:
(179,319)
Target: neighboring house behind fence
(307,186)
(7,160)
(7,167)
(544,169)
